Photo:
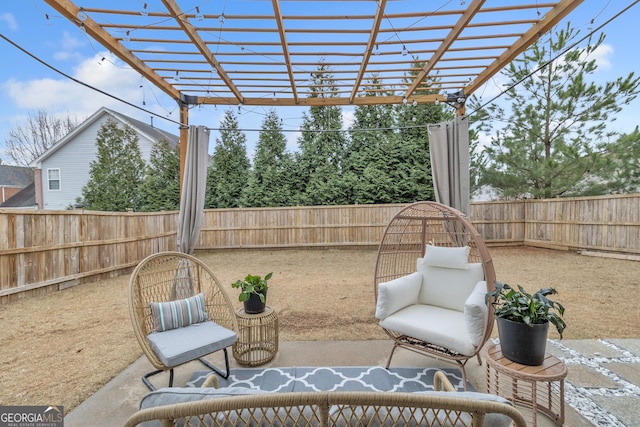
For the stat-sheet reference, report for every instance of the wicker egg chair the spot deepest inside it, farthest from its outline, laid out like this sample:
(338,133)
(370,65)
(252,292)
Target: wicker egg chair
(169,276)
(405,240)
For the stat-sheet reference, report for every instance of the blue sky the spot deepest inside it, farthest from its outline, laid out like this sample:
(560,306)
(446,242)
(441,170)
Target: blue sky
(27,86)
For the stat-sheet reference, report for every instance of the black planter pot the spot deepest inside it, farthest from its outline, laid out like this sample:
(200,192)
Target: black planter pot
(254,305)
(521,343)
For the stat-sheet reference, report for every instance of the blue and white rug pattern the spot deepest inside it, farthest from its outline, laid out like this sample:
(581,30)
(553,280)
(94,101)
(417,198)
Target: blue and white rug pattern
(347,378)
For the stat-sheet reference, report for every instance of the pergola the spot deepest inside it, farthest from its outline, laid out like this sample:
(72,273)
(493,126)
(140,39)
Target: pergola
(267,52)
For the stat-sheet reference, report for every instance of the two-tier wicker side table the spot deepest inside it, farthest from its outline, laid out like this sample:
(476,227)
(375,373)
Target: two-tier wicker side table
(257,341)
(539,388)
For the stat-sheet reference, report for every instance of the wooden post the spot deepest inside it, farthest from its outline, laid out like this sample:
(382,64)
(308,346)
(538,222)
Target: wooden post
(184,138)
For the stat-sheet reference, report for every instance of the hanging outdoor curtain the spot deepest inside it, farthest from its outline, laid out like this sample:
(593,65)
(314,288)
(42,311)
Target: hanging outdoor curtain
(194,183)
(449,148)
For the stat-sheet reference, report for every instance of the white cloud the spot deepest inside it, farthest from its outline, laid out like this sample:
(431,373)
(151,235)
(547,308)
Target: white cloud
(63,96)
(602,55)
(9,20)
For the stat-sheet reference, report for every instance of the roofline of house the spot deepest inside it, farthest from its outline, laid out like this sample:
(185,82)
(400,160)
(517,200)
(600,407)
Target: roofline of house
(37,162)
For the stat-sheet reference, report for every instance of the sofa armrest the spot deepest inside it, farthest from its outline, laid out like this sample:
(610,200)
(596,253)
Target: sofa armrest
(397,294)
(475,312)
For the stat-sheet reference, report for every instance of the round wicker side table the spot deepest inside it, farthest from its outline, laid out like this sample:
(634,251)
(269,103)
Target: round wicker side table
(539,388)
(257,341)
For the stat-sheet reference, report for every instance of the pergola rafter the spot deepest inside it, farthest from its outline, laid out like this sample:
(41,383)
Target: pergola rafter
(265,53)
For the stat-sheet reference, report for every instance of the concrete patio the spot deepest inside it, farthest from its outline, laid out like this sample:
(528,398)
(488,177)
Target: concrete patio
(602,387)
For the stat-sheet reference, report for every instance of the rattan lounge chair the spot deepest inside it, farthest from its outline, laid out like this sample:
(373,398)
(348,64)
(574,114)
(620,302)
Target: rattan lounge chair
(425,324)
(179,313)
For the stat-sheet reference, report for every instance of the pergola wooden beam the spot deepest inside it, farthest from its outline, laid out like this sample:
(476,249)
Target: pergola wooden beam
(186,26)
(464,20)
(373,35)
(70,11)
(285,48)
(551,19)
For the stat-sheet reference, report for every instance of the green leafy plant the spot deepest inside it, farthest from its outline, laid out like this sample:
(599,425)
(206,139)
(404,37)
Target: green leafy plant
(252,285)
(520,306)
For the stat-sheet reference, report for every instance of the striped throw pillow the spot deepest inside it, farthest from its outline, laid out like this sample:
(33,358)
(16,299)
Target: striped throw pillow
(178,313)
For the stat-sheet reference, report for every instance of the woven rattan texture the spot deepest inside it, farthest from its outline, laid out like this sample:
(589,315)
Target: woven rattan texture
(167,276)
(257,337)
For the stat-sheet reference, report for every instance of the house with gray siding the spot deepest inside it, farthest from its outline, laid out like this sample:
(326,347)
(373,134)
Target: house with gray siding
(62,171)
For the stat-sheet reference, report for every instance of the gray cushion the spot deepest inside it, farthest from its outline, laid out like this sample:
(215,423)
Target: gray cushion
(177,346)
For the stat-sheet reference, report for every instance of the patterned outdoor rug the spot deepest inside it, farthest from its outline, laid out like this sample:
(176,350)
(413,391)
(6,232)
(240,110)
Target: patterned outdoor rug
(348,378)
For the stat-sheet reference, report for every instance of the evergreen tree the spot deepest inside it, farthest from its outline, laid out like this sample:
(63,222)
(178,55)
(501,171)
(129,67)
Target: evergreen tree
(414,161)
(160,188)
(556,132)
(270,179)
(116,173)
(229,172)
(318,179)
(369,162)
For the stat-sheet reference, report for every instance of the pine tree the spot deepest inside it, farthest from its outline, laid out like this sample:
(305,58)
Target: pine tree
(160,189)
(369,164)
(270,180)
(556,132)
(116,173)
(318,179)
(229,172)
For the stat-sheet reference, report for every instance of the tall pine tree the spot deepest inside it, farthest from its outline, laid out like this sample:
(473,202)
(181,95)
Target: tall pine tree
(116,173)
(228,174)
(270,180)
(556,134)
(160,188)
(319,162)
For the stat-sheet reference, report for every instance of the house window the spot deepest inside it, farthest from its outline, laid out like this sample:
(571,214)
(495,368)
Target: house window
(53,175)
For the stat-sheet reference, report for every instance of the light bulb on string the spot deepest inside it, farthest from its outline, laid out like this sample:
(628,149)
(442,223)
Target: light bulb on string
(127,37)
(405,51)
(199,15)
(177,76)
(377,50)
(405,100)
(82,15)
(221,18)
(144,11)
(46,15)
(414,103)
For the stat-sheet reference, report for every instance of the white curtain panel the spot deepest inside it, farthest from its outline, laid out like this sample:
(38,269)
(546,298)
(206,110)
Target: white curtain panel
(193,189)
(449,148)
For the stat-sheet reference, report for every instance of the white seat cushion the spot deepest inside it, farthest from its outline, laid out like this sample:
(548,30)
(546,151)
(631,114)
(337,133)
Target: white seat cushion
(177,346)
(432,324)
(448,287)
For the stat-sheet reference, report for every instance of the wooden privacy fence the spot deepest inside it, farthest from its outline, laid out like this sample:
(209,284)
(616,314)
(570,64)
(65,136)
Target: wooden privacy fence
(42,251)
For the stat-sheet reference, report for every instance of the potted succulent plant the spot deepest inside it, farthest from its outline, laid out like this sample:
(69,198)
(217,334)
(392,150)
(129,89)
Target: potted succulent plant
(253,292)
(523,321)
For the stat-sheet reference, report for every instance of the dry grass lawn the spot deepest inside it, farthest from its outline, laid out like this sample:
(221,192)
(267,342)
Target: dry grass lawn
(62,347)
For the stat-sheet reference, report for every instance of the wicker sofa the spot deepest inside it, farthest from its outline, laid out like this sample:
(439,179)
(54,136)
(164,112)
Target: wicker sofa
(239,406)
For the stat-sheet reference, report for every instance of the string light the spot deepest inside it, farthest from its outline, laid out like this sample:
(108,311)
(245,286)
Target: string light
(199,15)
(46,15)
(415,103)
(127,36)
(221,18)
(405,52)
(177,76)
(377,51)
(144,11)
(404,100)
(82,15)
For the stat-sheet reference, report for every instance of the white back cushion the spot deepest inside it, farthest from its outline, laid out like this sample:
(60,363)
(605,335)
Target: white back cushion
(448,257)
(448,287)
(476,312)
